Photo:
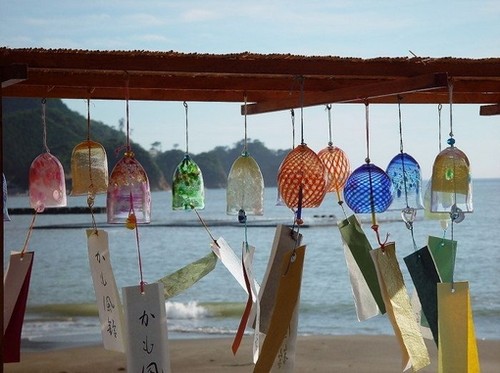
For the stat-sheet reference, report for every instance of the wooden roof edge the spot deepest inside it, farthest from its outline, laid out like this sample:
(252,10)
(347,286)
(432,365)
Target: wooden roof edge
(244,55)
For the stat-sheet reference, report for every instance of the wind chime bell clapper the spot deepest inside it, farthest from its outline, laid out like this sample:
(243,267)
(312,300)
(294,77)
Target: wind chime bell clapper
(451,186)
(128,192)
(89,169)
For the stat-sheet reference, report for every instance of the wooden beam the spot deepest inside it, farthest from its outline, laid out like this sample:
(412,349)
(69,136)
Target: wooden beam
(490,110)
(13,74)
(354,93)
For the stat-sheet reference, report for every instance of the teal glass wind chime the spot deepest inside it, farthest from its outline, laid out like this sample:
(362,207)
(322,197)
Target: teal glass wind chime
(406,177)
(188,190)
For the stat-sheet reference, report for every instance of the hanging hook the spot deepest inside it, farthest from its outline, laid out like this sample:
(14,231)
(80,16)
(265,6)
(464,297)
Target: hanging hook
(329,108)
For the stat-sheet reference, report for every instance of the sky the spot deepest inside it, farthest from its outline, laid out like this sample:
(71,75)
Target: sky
(364,29)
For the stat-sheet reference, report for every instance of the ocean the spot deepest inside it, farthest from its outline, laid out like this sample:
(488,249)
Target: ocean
(61,303)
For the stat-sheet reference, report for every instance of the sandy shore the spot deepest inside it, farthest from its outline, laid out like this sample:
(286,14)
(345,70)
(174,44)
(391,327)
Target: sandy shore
(314,354)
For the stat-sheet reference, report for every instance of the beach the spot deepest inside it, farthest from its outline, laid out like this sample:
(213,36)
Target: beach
(356,353)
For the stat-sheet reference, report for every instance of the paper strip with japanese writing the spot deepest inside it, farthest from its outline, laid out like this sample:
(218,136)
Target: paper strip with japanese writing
(106,292)
(147,334)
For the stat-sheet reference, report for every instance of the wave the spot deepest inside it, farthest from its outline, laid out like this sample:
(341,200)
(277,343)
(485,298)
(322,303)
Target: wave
(175,310)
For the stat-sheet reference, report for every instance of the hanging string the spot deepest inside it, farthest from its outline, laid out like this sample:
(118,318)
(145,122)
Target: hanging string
(302,110)
(91,194)
(206,227)
(28,235)
(245,149)
(407,213)
(187,132)
(367,132)
(292,113)
(450,90)
(127,114)
(329,108)
(44,123)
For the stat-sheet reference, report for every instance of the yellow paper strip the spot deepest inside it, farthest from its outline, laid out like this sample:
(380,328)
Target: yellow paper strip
(457,341)
(398,307)
(286,301)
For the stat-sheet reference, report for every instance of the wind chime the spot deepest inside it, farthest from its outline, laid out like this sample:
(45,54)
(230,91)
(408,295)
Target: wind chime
(451,192)
(405,175)
(188,190)
(443,217)
(47,187)
(245,184)
(128,197)
(451,189)
(89,168)
(336,163)
(302,178)
(368,189)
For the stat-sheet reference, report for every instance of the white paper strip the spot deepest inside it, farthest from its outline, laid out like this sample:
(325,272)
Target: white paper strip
(247,255)
(147,335)
(366,306)
(106,291)
(229,259)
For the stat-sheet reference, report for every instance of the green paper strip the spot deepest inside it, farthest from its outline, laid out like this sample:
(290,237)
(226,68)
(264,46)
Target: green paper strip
(425,277)
(355,239)
(444,252)
(182,279)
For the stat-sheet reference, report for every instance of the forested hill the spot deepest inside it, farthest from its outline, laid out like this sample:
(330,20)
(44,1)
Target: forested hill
(23,142)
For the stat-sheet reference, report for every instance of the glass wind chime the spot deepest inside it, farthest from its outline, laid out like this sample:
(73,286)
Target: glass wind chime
(368,190)
(451,188)
(47,187)
(245,184)
(406,177)
(89,166)
(302,178)
(129,197)
(336,163)
(188,190)
(443,217)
